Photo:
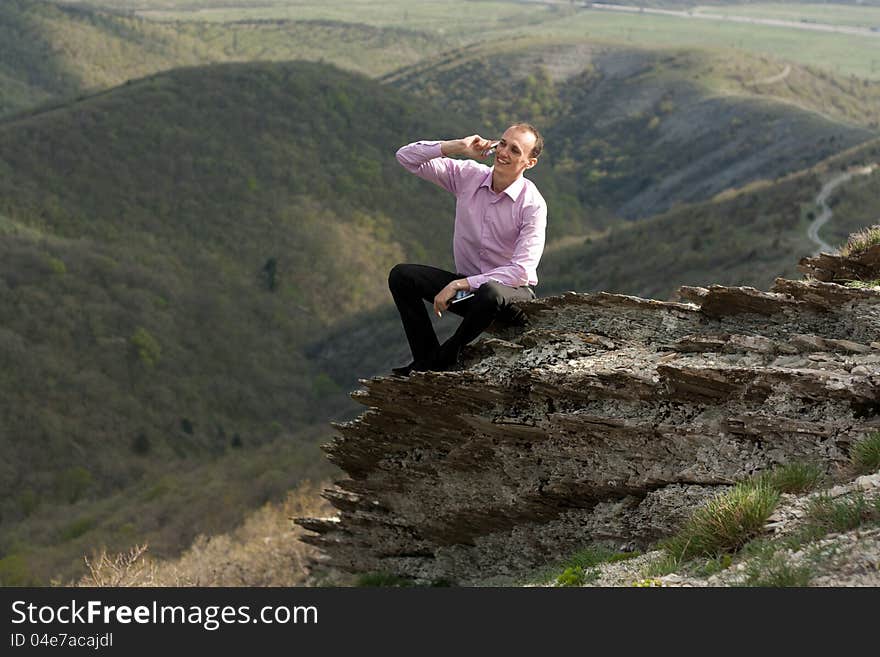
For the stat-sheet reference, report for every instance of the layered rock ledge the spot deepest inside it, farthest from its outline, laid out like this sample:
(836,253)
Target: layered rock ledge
(609,418)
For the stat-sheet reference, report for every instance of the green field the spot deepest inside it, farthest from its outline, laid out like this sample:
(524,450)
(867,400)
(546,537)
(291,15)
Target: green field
(266,29)
(830,14)
(464,22)
(450,18)
(844,54)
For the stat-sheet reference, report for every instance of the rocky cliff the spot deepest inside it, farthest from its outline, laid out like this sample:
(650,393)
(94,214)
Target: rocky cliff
(609,418)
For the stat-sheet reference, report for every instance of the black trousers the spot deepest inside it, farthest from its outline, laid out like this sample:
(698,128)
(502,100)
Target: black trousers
(412,285)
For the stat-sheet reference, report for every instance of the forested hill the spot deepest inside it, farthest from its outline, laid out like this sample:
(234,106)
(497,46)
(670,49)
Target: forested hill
(51,53)
(168,247)
(631,132)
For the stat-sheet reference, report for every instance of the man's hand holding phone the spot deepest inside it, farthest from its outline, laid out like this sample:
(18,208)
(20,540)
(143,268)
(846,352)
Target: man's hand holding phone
(474,146)
(448,294)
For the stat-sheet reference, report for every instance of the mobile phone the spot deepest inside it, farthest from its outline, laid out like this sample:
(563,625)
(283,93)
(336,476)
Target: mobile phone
(491,150)
(461,295)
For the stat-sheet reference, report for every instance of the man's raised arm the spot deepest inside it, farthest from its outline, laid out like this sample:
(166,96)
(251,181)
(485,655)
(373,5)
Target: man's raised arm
(430,159)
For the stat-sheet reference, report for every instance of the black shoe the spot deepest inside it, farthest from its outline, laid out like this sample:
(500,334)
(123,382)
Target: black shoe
(446,358)
(415,366)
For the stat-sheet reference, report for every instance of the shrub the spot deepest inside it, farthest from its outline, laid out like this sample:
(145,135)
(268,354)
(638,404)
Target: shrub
(861,241)
(146,347)
(14,571)
(72,484)
(141,444)
(571,576)
(77,528)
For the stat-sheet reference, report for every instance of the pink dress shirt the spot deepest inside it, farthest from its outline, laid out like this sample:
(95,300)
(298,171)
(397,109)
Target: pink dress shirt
(497,236)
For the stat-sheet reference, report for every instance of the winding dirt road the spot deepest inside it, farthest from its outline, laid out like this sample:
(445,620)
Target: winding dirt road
(822,202)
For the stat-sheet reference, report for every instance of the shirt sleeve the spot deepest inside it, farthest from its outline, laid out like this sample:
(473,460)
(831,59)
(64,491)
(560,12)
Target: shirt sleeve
(425,159)
(523,266)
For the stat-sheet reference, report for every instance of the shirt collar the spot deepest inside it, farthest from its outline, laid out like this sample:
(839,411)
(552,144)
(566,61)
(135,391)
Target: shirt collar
(512,190)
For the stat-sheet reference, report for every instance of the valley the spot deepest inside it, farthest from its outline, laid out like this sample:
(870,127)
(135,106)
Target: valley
(199,207)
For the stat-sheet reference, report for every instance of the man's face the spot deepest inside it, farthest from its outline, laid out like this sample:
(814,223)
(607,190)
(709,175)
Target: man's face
(513,153)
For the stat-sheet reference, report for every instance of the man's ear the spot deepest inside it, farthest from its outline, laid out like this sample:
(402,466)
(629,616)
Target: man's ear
(532,162)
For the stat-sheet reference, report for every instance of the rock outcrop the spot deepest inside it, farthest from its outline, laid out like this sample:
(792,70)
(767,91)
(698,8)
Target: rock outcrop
(609,417)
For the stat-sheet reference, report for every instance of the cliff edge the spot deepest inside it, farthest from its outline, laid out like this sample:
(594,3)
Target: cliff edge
(609,418)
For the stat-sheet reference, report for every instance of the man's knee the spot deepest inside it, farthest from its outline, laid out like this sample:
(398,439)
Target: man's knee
(397,277)
(490,294)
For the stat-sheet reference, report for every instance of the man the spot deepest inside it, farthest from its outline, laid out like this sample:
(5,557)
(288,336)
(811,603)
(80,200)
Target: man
(500,222)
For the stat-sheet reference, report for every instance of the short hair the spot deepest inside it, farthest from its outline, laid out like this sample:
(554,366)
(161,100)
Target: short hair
(539,139)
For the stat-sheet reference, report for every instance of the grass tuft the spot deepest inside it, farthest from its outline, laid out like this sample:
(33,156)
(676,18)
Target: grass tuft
(581,567)
(865,454)
(726,522)
(776,570)
(861,240)
(715,565)
(863,285)
(796,477)
(837,515)
(667,563)
(597,554)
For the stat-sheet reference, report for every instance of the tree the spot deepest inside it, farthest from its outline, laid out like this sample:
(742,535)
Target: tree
(269,273)
(145,347)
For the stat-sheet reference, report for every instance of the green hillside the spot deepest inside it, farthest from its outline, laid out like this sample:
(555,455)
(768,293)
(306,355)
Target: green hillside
(856,203)
(51,52)
(168,247)
(632,132)
(744,237)
(193,265)
(47,51)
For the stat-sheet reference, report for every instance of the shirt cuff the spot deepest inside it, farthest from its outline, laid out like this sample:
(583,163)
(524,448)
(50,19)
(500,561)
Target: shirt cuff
(477,280)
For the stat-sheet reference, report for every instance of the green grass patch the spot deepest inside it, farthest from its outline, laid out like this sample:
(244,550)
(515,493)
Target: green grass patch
(865,454)
(837,515)
(863,285)
(597,554)
(581,567)
(726,523)
(798,477)
(776,570)
(715,565)
(664,565)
